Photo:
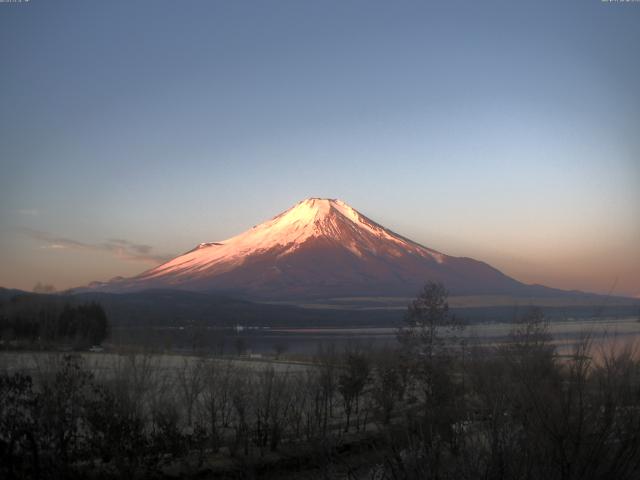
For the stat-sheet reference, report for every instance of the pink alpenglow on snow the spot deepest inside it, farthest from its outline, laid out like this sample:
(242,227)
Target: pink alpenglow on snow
(319,248)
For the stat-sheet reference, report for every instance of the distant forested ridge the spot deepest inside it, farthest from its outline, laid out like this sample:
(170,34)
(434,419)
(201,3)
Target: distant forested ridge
(175,308)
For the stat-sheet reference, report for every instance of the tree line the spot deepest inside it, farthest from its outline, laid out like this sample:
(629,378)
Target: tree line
(34,319)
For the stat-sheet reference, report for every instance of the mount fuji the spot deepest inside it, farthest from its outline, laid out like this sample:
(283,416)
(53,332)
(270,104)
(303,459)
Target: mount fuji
(321,248)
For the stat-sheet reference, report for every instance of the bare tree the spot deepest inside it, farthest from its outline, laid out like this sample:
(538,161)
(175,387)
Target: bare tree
(62,414)
(326,359)
(351,382)
(389,383)
(271,403)
(190,378)
(427,340)
(429,326)
(241,403)
(216,399)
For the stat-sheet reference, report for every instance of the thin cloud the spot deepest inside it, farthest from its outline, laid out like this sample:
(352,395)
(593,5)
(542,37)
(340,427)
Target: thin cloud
(30,212)
(136,247)
(44,288)
(119,248)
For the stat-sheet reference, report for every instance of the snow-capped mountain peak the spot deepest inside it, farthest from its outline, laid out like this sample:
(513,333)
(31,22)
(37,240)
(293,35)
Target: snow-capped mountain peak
(318,247)
(313,218)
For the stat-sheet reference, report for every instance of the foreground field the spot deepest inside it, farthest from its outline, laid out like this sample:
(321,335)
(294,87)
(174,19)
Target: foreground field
(431,407)
(108,365)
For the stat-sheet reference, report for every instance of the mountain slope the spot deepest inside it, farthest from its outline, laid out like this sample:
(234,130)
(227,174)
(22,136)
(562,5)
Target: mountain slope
(320,248)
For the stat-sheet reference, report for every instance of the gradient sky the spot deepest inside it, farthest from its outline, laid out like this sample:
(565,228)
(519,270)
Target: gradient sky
(506,131)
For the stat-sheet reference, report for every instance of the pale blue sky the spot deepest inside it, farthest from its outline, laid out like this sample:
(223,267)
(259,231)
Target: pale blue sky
(506,131)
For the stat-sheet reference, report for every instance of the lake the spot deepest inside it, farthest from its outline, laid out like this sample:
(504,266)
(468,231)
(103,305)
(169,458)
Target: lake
(263,340)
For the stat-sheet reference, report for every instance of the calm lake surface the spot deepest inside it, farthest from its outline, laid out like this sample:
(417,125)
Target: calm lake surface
(618,332)
(170,346)
(566,334)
